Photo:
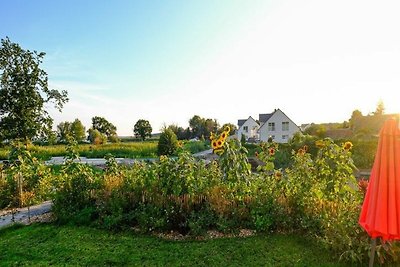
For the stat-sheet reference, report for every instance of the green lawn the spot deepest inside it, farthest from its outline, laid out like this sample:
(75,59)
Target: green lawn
(47,244)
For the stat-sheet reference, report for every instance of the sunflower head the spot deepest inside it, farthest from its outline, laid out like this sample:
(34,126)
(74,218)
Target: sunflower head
(348,145)
(301,152)
(278,175)
(271,151)
(320,143)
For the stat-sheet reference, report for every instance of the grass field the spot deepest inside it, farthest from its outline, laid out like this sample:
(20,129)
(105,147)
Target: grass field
(126,150)
(48,244)
(146,149)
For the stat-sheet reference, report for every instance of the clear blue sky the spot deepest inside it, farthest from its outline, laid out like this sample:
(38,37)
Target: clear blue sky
(166,61)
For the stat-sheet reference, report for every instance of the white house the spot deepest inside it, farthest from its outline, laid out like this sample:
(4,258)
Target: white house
(275,125)
(278,126)
(248,128)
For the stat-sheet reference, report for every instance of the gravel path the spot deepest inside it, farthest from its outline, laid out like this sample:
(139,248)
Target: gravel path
(21,214)
(102,161)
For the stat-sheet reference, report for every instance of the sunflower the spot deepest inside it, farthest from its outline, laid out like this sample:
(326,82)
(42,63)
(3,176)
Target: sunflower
(223,135)
(301,152)
(348,145)
(271,151)
(278,175)
(214,144)
(320,143)
(212,136)
(227,129)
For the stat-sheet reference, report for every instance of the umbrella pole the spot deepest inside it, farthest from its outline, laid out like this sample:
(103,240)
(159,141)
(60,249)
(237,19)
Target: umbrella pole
(372,256)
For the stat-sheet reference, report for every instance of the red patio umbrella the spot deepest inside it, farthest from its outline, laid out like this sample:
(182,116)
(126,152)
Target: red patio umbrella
(380,213)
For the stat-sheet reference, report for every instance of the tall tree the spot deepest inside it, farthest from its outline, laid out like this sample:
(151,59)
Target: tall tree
(355,116)
(23,94)
(181,133)
(196,124)
(78,130)
(232,127)
(142,129)
(73,129)
(380,108)
(105,127)
(63,131)
(202,127)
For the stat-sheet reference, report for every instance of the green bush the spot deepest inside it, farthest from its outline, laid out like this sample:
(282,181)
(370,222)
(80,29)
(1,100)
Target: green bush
(23,179)
(317,194)
(168,143)
(74,197)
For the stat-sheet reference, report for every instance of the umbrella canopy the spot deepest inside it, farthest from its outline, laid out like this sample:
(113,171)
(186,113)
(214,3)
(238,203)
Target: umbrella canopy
(380,213)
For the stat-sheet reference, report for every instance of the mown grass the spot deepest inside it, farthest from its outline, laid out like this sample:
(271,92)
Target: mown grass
(48,244)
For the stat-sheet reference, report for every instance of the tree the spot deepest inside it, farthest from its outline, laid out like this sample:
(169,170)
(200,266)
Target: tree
(96,137)
(196,124)
(318,130)
(380,108)
(210,125)
(78,130)
(231,126)
(168,143)
(142,129)
(73,129)
(202,127)
(181,133)
(23,94)
(105,127)
(355,116)
(63,131)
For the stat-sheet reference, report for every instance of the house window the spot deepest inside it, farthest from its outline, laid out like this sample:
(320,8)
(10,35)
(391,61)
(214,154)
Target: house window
(246,129)
(271,126)
(285,126)
(285,137)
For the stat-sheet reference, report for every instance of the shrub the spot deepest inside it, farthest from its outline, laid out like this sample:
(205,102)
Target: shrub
(74,196)
(95,137)
(168,143)
(22,180)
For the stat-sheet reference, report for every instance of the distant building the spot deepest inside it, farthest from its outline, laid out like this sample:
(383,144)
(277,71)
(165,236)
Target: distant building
(248,128)
(275,125)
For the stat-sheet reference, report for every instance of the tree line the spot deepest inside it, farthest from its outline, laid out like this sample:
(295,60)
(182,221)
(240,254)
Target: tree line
(24,95)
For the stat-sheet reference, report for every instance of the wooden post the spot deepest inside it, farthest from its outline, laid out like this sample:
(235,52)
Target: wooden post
(21,204)
(372,256)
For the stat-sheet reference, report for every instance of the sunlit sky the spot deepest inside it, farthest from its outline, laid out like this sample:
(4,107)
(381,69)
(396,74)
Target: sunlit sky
(168,60)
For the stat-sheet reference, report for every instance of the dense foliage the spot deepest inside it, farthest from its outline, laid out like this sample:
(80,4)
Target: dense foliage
(318,195)
(104,127)
(24,93)
(142,129)
(73,129)
(168,143)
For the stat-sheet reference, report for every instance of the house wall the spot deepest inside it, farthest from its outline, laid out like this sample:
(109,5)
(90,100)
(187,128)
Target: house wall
(252,131)
(280,135)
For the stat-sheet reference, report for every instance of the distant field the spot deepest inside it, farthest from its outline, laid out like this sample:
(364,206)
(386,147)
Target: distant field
(123,150)
(147,149)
